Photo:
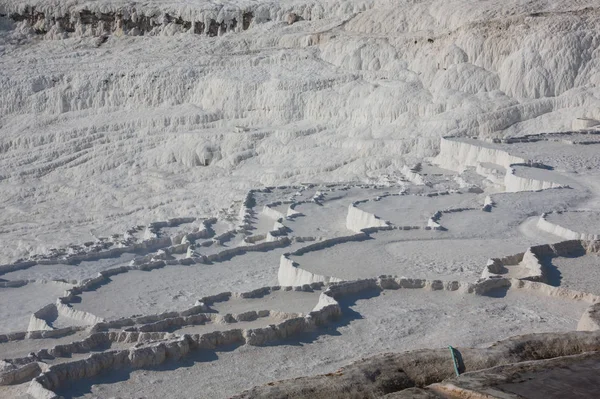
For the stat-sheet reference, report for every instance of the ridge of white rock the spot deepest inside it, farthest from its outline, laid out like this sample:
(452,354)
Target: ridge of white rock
(514,183)
(290,274)
(458,155)
(486,159)
(584,123)
(357,220)
(564,232)
(529,262)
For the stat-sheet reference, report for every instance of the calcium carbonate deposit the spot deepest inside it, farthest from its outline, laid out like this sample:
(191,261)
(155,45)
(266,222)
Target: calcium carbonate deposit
(209,199)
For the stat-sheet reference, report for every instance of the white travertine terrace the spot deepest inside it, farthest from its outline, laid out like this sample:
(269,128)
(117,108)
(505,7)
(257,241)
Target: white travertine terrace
(184,178)
(358,220)
(456,154)
(172,346)
(156,337)
(514,183)
(584,123)
(565,232)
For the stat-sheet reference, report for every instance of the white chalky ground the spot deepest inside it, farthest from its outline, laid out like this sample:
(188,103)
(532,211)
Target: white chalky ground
(151,163)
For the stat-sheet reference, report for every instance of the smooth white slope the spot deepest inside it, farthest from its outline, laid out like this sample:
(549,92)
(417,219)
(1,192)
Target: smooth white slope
(97,139)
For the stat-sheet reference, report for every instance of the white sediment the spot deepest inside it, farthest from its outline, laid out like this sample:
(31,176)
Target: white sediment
(226,181)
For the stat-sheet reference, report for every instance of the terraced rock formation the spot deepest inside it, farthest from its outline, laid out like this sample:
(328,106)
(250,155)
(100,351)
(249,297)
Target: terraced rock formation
(191,189)
(175,266)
